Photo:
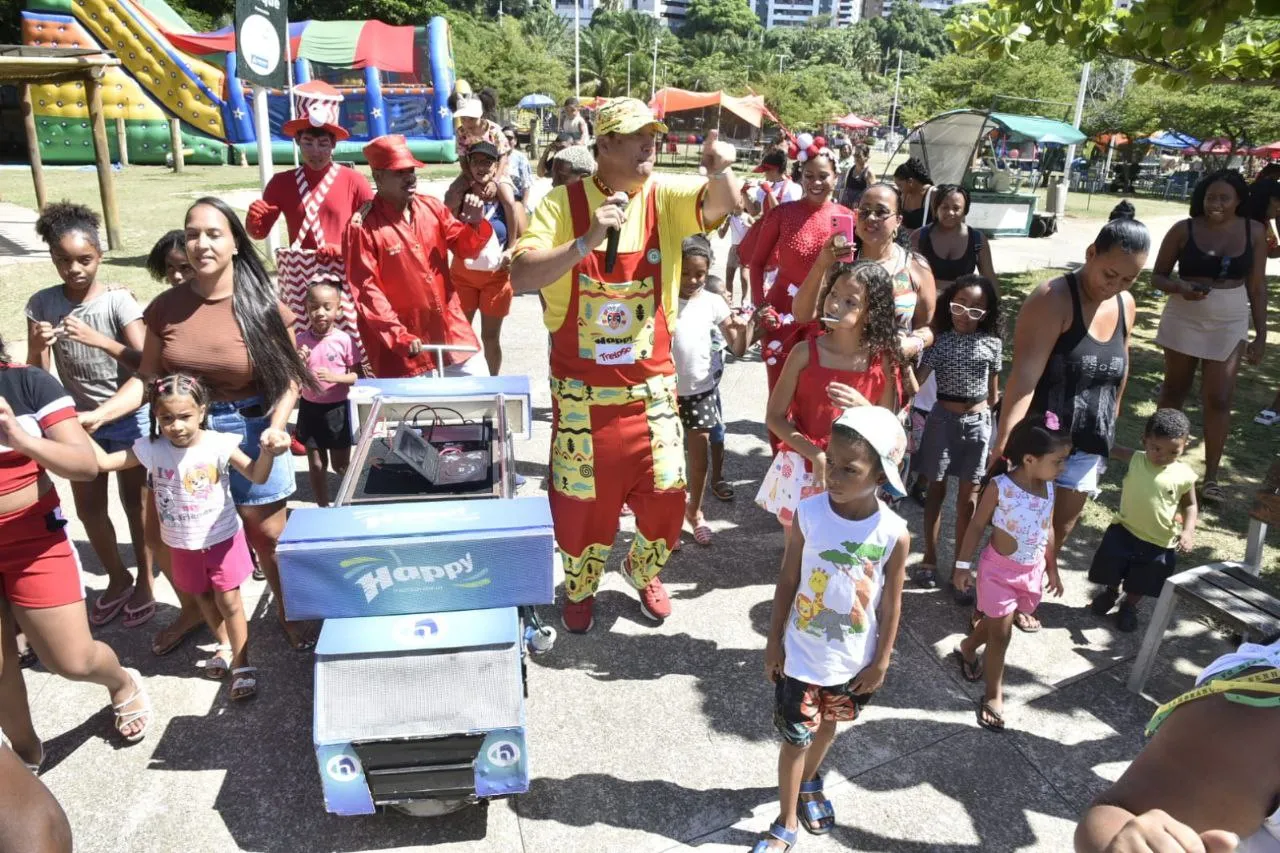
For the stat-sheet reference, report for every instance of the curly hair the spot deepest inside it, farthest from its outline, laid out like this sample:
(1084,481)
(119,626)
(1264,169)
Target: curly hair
(61,218)
(1260,196)
(1167,423)
(1231,178)
(879,329)
(158,258)
(991,324)
(913,169)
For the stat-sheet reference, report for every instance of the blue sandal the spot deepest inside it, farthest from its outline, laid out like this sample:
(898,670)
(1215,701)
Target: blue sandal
(779,832)
(818,816)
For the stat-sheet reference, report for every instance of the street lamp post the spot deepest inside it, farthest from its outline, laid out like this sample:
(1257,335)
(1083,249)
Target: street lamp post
(577,49)
(653,85)
(628,75)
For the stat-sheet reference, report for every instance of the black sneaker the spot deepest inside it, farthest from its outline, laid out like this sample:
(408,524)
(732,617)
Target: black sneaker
(925,577)
(1127,618)
(966,598)
(1104,601)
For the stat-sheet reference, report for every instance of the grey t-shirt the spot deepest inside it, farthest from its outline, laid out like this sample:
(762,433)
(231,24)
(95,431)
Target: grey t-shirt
(89,375)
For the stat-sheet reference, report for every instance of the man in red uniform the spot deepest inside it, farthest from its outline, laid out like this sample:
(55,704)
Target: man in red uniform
(397,250)
(615,433)
(317,200)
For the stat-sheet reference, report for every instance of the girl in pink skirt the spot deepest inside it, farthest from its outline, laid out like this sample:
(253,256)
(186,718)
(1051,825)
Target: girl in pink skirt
(1017,501)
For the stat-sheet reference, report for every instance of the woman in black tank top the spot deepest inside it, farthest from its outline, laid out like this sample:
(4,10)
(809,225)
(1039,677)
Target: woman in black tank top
(1220,286)
(948,234)
(1071,357)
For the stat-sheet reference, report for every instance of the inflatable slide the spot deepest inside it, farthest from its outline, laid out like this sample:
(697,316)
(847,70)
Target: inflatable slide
(170,71)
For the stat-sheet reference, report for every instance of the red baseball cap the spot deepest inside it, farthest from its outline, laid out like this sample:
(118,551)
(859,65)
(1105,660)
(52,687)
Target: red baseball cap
(391,152)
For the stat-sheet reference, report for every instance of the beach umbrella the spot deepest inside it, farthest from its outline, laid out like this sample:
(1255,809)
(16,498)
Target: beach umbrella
(533,102)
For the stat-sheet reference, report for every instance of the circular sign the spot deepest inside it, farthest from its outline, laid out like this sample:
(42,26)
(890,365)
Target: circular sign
(342,768)
(504,753)
(260,44)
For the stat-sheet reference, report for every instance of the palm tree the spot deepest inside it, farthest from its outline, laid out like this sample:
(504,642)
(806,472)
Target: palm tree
(604,61)
(547,27)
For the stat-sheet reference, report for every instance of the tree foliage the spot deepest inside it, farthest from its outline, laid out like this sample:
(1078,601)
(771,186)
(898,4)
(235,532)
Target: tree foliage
(488,53)
(1183,43)
(720,16)
(913,30)
(1043,83)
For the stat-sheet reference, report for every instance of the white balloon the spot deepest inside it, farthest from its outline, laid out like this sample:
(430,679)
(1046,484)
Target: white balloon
(804,140)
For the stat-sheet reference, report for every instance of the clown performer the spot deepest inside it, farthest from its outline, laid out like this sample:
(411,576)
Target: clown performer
(616,436)
(397,249)
(317,200)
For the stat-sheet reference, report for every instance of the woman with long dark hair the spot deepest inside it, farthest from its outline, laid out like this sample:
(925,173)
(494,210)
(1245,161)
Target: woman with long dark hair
(1071,358)
(951,247)
(913,181)
(41,593)
(229,329)
(1221,257)
(794,232)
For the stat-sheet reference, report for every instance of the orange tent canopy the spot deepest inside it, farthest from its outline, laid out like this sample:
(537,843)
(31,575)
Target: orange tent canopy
(855,122)
(749,108)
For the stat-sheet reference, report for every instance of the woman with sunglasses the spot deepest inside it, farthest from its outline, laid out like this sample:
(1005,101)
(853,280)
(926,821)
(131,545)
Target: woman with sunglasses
(914,290)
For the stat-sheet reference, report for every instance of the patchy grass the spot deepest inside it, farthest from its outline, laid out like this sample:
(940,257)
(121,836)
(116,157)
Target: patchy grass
(1249,452)
(152,200)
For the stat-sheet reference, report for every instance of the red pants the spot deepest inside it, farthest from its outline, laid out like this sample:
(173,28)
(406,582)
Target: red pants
(603,456)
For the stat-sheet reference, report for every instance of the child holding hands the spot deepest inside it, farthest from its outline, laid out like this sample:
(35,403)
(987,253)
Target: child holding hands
(835,612)
(1138,549)
(324,419)
(187,468)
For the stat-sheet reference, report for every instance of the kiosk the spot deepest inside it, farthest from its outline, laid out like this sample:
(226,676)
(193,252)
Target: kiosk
(425,573)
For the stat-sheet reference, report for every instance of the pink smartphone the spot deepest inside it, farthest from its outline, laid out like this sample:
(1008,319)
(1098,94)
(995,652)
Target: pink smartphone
(842,224)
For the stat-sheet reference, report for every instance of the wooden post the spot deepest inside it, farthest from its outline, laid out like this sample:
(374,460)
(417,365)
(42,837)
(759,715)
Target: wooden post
(175,145)
(33,145)
(122,141)
(102,156)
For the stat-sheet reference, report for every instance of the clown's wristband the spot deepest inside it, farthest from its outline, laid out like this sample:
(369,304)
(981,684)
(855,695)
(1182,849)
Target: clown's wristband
(581,246)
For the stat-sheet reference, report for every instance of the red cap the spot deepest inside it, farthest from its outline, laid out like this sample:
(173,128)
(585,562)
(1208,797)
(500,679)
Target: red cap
(318,107)
(391,152)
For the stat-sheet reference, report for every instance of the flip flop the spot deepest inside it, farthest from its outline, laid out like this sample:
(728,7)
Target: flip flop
(215,668)
(996,721)
(1211,492)
(104,611)
(244,684)
(722,490)
(135,616)
(161,651)
(702,534)
(1027,623)
(969,670)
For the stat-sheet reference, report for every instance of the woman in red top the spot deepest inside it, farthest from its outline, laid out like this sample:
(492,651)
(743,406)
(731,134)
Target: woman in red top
(797,231)
(41,593)
(856,363)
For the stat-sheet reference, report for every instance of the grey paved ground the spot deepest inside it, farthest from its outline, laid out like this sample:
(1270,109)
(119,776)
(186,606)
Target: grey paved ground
(642,738)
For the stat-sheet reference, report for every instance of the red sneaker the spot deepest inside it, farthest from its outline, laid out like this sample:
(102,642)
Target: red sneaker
(297,448)
(576,616)
(654,601)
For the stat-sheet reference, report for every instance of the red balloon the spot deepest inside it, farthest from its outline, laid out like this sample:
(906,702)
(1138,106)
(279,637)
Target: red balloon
(691,139)
(793,151)
(820,142)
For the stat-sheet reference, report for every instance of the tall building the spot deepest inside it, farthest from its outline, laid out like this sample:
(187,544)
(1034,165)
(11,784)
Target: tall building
(669,12)
(796,13)
(871,9)
(931,5)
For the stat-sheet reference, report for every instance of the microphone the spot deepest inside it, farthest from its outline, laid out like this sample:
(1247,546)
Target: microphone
(611,250)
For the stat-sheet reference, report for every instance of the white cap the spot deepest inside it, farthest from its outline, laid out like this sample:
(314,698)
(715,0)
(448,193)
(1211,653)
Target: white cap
(469,108)
(883,431)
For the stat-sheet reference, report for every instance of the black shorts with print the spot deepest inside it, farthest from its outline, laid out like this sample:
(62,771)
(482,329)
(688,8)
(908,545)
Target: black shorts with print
(700,412)
(800,707)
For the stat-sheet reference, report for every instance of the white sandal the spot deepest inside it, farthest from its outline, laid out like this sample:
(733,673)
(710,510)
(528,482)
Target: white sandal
(243,683)
(125,718)
(1267,417)
(216,667)
(34,768)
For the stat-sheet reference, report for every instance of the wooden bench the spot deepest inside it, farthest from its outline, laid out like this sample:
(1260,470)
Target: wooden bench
(1229,590)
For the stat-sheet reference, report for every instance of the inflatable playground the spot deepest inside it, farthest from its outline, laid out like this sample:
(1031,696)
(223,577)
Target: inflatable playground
(394,80)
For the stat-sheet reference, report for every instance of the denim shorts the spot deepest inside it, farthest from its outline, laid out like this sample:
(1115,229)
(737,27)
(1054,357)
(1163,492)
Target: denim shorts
(121,433)
(231,418)
(1082,473)
(955,445)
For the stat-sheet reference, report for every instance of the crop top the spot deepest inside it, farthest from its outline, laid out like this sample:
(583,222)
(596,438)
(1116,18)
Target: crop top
(1025,517)
(950,269)
(1194,262)
(38,402)
(963,365)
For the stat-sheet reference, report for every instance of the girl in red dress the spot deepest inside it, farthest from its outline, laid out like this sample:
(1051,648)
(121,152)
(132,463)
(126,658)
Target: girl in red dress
(856,363)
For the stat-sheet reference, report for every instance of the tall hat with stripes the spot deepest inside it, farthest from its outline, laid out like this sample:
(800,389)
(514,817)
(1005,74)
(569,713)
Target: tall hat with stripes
(317,105)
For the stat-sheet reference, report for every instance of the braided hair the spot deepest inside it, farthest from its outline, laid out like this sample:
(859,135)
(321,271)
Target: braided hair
(176,385)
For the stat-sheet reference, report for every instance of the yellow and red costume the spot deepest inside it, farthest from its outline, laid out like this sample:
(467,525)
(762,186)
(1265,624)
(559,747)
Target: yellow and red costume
(616,436)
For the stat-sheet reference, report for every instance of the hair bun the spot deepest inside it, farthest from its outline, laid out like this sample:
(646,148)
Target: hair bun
(1123,210)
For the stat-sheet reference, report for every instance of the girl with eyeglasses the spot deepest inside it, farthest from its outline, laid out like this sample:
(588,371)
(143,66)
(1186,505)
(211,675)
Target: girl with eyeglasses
(965,359)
